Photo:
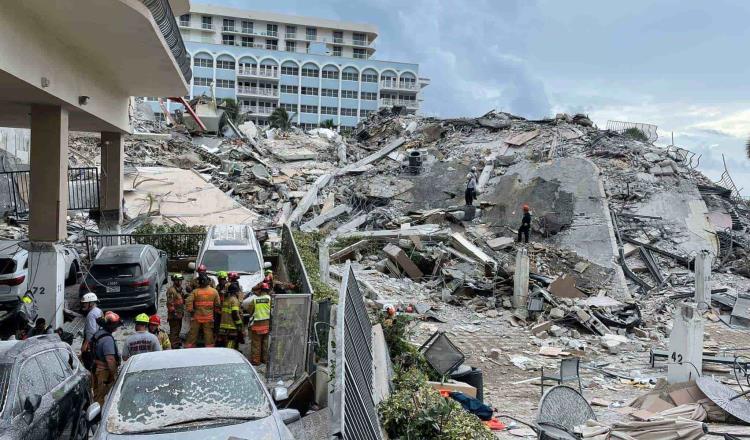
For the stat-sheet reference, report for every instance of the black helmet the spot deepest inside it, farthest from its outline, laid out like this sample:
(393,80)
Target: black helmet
(203,279)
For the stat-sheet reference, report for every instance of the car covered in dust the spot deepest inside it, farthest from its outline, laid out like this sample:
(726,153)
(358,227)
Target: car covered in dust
(195,394)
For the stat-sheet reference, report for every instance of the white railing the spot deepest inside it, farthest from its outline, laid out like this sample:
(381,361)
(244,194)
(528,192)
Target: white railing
(388,102)
(207,26)
(254,71)
(256,110)
(257,91)
(394,84)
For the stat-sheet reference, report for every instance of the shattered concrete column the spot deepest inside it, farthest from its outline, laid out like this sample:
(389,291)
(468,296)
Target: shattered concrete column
(685,344)
(703,279)
(323,257)
(48,210)
(521,279)
(113,152)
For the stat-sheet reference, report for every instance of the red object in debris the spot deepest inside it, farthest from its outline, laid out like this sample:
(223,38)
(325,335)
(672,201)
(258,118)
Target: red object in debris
(189,109)
(391,311)
(494,424)
(409,309)
(445,393)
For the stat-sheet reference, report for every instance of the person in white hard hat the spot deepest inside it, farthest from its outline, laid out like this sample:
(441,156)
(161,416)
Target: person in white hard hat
(93,313)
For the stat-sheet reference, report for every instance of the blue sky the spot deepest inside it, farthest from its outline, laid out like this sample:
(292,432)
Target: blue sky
(682,65)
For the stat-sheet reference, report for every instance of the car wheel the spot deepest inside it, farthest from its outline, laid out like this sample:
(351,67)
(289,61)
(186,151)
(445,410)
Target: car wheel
(72,274)
(82,425)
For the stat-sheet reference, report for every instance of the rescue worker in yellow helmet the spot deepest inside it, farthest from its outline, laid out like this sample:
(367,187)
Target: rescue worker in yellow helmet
(142,341)
(230,329)
(259,307)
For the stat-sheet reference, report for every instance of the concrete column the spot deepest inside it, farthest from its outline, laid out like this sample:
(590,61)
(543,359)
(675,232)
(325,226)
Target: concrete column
(703,280)
(324,259)
(49,173)
(113,152)
(48,210)
(521,279)
(685,345)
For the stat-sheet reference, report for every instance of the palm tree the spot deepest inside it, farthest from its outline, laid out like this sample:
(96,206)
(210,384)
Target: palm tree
(281,119)
(328,123)
(231,112)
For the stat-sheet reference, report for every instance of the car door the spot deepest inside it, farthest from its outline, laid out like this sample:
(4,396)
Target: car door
(62,412)
(33,426)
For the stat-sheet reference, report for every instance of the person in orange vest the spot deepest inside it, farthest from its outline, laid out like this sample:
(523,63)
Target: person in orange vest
(202,303)
(259,307)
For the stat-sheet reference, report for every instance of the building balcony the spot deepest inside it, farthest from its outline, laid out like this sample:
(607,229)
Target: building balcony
(254,72)
(256,110)
(388,102)
(261,92)
(388,84)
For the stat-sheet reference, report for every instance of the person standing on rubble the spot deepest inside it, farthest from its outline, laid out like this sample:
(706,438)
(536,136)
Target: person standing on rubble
(230,329)
(259,307)
(142,341)
(525,225)
(471,189)
(93,313)
(175,309)
(201,305)
(106,357)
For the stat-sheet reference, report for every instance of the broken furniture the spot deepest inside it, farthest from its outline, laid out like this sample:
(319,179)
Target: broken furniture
(442,354)
(560,411)
(569,371)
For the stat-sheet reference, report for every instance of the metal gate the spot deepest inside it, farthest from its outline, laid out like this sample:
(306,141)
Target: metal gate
(288,339)
(83,190)
(352,405)
(176,245)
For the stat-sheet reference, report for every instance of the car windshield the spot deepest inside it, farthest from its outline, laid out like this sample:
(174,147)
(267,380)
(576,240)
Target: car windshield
(5,370)
(245,260)
(155,400)
(129,270)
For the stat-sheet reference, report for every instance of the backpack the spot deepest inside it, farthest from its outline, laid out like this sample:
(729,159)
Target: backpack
(95,340)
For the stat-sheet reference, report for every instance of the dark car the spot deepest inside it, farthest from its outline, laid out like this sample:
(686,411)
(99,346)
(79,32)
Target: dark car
(44,390)
(127,277)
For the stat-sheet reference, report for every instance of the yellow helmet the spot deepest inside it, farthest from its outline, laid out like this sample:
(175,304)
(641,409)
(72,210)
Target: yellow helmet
(142,318)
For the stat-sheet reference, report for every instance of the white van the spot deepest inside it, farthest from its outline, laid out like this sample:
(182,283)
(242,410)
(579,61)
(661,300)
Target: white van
(232,248)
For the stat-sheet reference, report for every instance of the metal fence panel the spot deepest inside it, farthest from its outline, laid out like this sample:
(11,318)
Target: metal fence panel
(649,130)
(176,245)
(352,405)
(83,190)
(288,339)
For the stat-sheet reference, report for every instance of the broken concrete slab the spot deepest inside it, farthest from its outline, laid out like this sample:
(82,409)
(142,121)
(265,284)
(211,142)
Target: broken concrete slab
(314,223)
(309,198)
(465,246)
(500,243)
(345,252)
(565,287)
(522,138)
(291,155)
(373,157)
(398,256)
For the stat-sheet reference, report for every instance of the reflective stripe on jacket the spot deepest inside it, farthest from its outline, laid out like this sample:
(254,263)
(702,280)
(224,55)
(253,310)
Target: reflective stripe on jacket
(202,303)
(262,310)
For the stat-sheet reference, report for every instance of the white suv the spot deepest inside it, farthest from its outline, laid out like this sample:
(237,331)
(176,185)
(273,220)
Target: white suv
(233,248)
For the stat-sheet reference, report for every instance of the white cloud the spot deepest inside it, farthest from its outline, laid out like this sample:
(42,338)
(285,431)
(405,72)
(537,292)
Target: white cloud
(735,124)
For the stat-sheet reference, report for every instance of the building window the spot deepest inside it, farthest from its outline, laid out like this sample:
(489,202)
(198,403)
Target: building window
(310,91)
(247,41)
(337,51)
(228,25)
(349,94)
(289,107)
(309,109)
(311,34)
(247,27)
(291,46)
(291,32)
(348,111)
(272,30)
(366,113)
(289,89)
(227,39)
(205,82)
(225,83)
(185,20)
(272,44)
(338,37)
(370,78)
(331,74)
(329,92)
(203,62)
(359,39)
(222,64)
(329,110)
(360,53)
(367,96)
(206,22)
(312,73)
(349,76)
(408,83)
(289,70)
(308,126)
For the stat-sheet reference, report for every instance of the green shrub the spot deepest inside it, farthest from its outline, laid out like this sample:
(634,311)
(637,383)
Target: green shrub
(174,245)
(635,133)
(307,244)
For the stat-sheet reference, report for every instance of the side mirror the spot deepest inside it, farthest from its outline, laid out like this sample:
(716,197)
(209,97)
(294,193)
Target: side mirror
(191,265)
(32,403)
(267,265)
(93,413)
(289,415)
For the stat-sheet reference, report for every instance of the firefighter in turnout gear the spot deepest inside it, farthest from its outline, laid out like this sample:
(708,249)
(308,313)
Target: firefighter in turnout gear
(194,283)
(154,323)
(230,329)
(175,309)
(202,303)
(259,307)
(106,355)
